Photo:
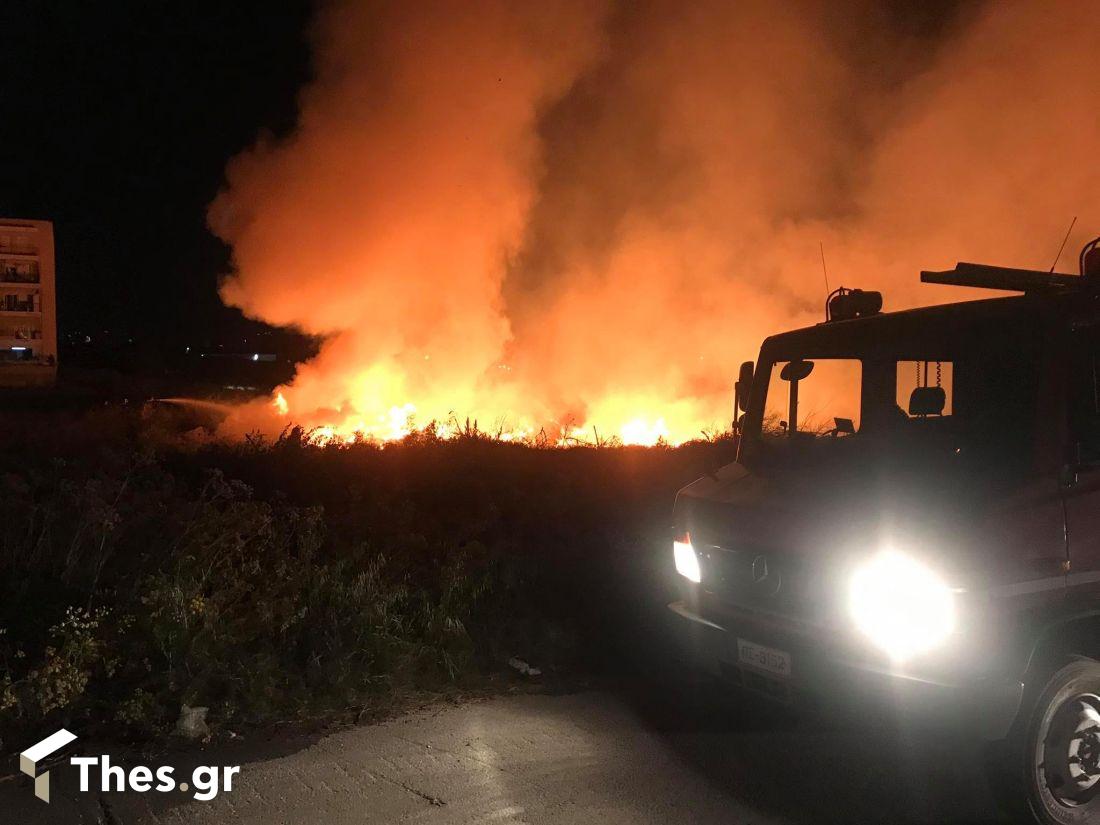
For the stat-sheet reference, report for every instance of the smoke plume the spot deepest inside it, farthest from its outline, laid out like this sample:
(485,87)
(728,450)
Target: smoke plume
(566,215)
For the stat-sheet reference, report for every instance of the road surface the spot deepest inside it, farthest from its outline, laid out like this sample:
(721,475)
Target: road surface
(598,757)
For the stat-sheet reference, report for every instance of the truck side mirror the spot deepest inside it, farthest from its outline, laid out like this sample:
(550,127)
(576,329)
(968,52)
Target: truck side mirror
(796,370)
(742,387)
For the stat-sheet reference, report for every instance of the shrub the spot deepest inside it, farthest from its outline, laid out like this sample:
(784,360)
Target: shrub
(268,580)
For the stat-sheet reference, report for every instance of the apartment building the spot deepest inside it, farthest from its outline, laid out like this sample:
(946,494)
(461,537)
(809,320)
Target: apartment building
(28,315)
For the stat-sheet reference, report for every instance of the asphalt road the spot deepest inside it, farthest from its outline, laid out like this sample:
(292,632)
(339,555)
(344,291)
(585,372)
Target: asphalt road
(599,757)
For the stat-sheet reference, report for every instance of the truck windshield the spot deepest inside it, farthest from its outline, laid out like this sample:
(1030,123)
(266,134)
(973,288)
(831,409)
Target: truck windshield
(822,406)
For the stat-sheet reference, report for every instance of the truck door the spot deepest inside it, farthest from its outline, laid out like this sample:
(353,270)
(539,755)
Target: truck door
(1081,485)
(1013,405)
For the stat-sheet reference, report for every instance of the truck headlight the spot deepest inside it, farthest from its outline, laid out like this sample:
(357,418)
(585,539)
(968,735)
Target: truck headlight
(687,563)
(901,605)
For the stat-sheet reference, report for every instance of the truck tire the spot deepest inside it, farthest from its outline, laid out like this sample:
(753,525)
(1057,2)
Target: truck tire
(1051,773)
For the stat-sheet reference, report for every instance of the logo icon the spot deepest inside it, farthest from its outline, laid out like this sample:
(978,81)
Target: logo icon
(765,580)
(29,759)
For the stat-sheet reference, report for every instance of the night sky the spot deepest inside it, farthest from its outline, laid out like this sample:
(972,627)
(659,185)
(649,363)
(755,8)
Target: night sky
(118,121)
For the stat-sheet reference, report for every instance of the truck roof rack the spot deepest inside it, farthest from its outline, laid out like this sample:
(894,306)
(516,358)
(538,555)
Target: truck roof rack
(984,276)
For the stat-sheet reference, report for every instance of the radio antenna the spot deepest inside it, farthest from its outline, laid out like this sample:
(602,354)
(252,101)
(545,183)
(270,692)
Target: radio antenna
(1061,249)
(825,271)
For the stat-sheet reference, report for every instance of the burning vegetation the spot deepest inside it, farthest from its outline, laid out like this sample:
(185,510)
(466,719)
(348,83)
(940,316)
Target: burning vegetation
(572,220)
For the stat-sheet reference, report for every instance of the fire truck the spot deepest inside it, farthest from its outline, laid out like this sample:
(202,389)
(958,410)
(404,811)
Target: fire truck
(914,518)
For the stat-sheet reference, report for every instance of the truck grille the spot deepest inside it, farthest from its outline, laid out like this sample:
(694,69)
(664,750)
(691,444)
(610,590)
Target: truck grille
(764,580)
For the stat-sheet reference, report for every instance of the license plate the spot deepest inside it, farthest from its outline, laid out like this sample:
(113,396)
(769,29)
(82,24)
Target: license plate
(768,659)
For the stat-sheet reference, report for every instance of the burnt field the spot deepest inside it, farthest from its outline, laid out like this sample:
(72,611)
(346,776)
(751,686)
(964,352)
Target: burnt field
(144,566)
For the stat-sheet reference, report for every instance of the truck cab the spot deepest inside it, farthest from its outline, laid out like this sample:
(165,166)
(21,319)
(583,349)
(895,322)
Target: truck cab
(914,515)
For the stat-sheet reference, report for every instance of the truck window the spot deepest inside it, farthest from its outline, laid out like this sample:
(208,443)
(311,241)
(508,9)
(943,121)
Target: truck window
(912,375)
(830,392)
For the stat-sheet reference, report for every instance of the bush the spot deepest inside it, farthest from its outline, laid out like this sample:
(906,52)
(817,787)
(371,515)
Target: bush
(268,580)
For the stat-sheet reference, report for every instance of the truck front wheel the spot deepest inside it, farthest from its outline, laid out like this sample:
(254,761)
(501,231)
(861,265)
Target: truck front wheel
(1054,765)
